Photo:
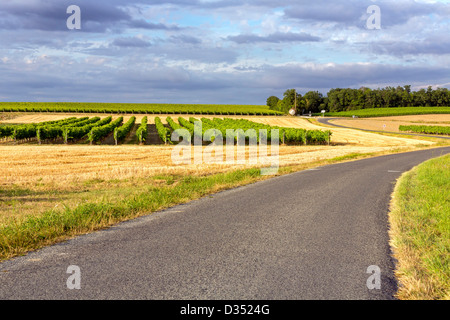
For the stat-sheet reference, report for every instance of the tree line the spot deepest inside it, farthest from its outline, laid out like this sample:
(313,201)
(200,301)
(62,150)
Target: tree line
(363,98)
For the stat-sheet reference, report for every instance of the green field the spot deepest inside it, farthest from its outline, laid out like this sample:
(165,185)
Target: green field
(426,129)
(387,112)
(137,108)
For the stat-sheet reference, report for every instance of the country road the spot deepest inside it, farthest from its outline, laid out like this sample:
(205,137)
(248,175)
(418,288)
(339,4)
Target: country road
(308,235)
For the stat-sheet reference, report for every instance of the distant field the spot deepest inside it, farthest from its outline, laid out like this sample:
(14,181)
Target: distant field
(387,112)
(66,107)
(426,129)
(393,123)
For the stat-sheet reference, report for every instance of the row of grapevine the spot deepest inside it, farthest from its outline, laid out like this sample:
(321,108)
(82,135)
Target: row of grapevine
(163,132)
(81,132)
(95,129)
(173,125)
(6,131)
(62,130)
(98,133)
(115,108)
(187,125)
(120,133)
(439,130)
(286,135)
(245,130)
(28,131)
(142,131)
(176,126)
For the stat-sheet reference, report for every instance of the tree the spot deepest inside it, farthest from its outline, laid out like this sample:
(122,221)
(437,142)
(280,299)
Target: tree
(334,102)
(420,98)
(430,101)
(343,99)
(441,97)
(313,101)
(406,97)
(289,98)
(284,106)
(272,102)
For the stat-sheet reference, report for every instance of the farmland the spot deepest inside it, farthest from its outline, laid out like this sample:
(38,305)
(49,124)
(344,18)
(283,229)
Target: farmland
(388,112)
(96,130)
(439,130)
(126,108)
(75,176)
(392,124)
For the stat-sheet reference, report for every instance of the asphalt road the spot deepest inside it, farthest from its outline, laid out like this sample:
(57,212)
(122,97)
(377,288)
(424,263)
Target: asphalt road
(307,235)
(328,122)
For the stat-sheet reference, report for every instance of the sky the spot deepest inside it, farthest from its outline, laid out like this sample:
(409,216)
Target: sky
(216,51)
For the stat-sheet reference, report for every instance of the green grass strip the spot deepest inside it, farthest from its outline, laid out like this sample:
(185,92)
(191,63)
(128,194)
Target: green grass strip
(420,231)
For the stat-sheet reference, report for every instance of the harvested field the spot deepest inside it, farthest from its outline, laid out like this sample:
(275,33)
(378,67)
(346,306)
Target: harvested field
(393,123)
(61,165)
(36,178)
(341,136)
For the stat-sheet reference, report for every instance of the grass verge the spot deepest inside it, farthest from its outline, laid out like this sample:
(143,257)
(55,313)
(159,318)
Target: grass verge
(420,231)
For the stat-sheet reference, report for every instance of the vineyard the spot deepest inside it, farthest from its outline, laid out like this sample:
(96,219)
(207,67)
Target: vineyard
(126,108)
(242,129)
(388,112)
(426,129)
(96,130)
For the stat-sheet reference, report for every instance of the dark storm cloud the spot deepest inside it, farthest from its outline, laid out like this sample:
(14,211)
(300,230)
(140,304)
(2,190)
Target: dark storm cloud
(182,38)
(131,42)
(173,49)
(142,24)
(139,82)
(353,75)
(354,12)
(274,38)
(97,16)
(431,45)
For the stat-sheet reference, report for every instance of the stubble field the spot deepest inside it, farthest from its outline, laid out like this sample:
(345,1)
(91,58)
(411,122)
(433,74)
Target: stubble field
(38,179)
(393,123)
(31,174)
